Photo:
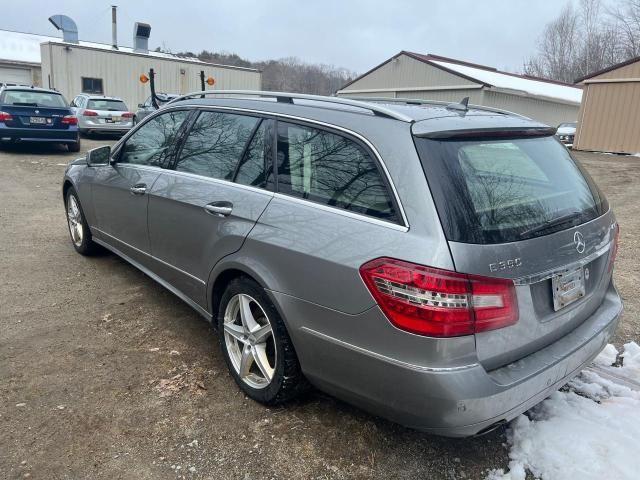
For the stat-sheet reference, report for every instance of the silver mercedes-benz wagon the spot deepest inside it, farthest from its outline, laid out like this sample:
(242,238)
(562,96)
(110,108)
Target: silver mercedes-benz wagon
(443,266)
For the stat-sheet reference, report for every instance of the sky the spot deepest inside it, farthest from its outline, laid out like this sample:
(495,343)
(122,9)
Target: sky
(354,34)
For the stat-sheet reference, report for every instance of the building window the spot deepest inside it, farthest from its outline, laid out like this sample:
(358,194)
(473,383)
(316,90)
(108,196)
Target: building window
(92,85)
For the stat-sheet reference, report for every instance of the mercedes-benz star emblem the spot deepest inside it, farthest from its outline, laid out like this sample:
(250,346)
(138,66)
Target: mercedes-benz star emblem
(578,239)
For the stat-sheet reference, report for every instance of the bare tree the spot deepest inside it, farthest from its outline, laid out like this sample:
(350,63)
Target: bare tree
(586,39)
(626,18)
(556,56)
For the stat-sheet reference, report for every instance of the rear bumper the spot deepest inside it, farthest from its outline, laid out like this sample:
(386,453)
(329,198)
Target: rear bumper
(87,126)
(457,400)
(69,135)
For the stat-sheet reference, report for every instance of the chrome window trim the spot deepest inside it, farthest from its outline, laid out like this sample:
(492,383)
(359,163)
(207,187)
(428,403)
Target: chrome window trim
(184,106)
(341,211)
(220,181)
(333,127)
(149,255)
(281,196)
(136,166)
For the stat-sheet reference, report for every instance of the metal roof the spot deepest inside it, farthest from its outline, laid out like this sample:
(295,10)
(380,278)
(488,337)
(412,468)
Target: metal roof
(25,47)
(492,77)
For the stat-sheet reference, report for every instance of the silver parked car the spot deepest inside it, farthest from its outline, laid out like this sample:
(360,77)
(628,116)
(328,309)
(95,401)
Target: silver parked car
(101,114)
(444,266)
(147,108)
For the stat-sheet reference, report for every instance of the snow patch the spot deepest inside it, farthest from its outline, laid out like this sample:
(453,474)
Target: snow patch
(591,431)
(510,82)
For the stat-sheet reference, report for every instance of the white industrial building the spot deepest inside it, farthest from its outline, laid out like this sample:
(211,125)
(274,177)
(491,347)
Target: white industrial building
(74,67)
(432,77)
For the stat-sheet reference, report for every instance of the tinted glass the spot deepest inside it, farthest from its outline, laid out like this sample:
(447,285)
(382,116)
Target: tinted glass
(92,85)
(215,143)
(330,169)
(251,170)
(110,105)
(152,142)
(33,98)
(492,191)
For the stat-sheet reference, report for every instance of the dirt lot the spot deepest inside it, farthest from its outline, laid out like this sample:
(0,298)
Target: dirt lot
(106,375)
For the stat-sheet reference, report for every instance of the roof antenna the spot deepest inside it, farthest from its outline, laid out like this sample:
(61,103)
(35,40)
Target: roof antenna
(461,107)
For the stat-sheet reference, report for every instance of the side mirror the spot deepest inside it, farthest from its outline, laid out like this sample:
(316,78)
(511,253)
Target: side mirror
(141,105)
(100,156)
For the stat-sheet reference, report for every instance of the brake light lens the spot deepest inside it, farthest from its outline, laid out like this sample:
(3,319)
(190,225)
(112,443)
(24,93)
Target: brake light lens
(69,120)
(614,247)
(89,113)
(439,303)
(5,117)
(127,115)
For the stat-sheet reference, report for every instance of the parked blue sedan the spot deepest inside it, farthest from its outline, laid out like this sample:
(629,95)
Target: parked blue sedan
(29,114)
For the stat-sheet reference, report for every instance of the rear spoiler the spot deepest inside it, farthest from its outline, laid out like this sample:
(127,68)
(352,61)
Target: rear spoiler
(500,132)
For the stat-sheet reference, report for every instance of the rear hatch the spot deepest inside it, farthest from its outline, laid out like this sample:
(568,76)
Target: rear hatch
(514,204)
(34,109)
(108,112)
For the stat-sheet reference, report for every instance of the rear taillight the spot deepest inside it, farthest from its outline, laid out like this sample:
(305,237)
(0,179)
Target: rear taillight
(69,120)
(127,115)
(439,303)
(5,117)
(89,113)
(614,247)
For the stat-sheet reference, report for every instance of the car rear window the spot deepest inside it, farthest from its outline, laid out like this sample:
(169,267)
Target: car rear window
(30,98)
(110,105)
(505,190)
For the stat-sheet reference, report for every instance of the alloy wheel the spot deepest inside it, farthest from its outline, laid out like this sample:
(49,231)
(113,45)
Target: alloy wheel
(74,218)
(249,341)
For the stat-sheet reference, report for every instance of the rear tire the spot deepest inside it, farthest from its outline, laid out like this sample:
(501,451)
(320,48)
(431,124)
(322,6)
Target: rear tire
(74,147)
(78,228)
(256,345)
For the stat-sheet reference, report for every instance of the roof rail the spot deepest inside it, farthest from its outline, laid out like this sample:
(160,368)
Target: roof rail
(420,101)
(290,97)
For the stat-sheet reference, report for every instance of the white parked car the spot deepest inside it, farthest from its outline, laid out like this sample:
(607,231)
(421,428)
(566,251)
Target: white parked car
(567,132)
(101,114)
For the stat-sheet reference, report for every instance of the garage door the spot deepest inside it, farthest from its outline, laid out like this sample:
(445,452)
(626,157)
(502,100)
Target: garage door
(20,76)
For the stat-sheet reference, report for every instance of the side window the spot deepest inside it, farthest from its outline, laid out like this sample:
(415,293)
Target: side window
(332,170)
(92,85)
(152,142)
(215,143)
(251,170)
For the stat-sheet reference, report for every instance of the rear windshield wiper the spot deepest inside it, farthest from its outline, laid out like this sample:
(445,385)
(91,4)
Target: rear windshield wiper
(556,222)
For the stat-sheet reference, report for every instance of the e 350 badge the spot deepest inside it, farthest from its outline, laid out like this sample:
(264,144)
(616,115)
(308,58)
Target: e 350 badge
(505,264)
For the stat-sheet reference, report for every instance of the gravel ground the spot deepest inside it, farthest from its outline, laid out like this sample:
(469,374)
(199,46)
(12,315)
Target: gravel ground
(106,375)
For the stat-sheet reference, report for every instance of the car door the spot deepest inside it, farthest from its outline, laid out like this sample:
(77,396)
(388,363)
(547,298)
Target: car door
(120,191)
(203,209)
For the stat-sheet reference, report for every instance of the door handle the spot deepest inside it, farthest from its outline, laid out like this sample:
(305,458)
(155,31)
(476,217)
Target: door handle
(221,209)
(138,189)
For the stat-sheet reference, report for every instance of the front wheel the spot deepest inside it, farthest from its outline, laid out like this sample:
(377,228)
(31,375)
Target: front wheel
(256,344)
(78,227)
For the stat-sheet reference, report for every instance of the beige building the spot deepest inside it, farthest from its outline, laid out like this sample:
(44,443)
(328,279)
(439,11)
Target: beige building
(432,77)
(85,67)
(609,120)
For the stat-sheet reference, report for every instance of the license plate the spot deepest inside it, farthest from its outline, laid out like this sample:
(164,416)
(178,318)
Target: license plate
(567,288)
(38,120)
(112,120)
